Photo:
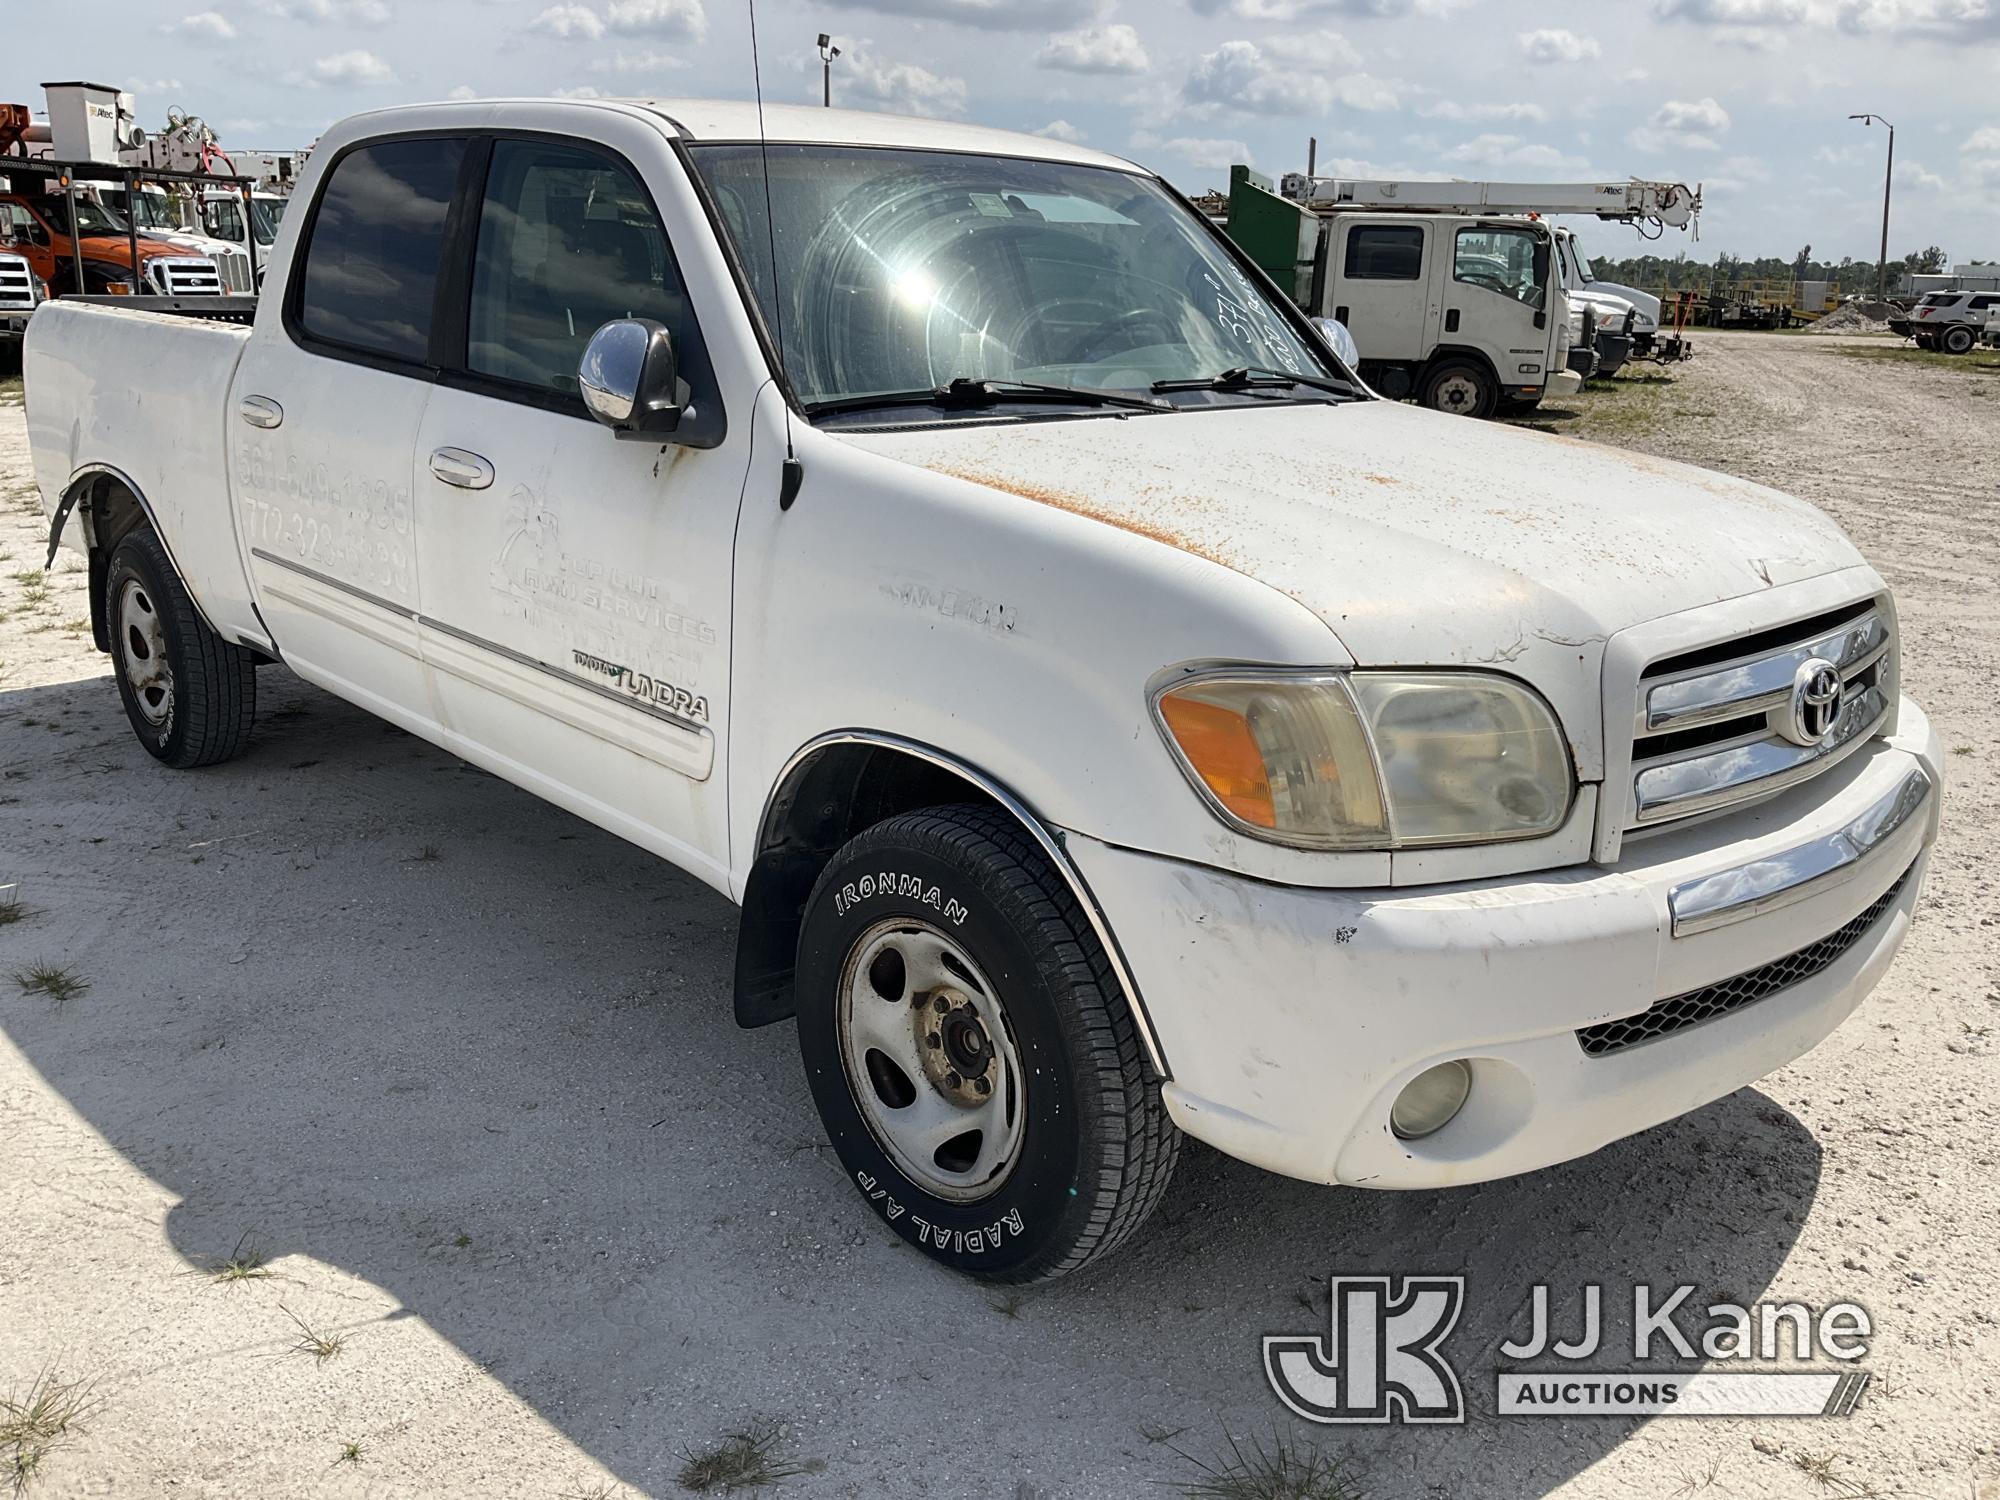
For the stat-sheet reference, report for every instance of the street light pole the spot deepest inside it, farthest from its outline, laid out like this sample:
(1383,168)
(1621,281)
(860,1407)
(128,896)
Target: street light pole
(827,53)
(1888,178)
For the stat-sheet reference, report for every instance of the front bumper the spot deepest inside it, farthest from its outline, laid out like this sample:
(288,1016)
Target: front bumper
(1291,1018)
(13,326)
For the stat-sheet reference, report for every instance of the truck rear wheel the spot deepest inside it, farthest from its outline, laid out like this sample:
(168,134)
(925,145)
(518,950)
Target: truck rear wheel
(1958,339)
(191,695)
(1462,388)
(972,1057)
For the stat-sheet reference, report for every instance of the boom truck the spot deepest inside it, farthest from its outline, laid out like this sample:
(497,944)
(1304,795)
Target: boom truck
(1456,293)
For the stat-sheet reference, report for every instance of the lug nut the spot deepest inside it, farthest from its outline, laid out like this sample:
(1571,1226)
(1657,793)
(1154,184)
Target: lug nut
(982,1085)
(953,1079)
(933,1040)
(940,1005)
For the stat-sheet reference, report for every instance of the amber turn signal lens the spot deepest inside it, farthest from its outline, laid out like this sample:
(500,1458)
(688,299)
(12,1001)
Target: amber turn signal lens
(1219,745)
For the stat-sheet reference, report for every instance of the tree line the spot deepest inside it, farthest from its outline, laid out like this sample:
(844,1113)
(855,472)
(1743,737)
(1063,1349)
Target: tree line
(1847,274)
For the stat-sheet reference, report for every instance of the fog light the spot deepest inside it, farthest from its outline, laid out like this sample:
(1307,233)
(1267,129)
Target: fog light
(1430,1100)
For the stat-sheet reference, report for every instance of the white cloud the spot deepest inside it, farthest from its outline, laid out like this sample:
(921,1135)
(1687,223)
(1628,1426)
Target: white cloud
(1283,76)
(582,91)
(567,21)
(1451,109)
(329,12)
(1101,49)
(897,88)
(351,68)
(1553,45)
(203,25)
(152,85)
(1682,124)
(1502,150)
(1299,10)
(1984,140)
(666,18)
(1060,130)
(463,91)
(991,15)
(1200,151)
(1915,174)
(1733,12)
(646,60)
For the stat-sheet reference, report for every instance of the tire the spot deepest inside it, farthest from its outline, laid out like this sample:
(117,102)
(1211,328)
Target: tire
(942,941)
(1461,388)
(1957,339)
(190,695)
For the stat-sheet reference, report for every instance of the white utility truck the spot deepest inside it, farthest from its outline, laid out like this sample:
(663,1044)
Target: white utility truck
(21,292)
(1113,721)
(157,216)
(1454,292)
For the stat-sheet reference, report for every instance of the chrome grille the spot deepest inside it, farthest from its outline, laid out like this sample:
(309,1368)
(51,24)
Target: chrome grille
(17,284)
(234,267)
(190,277)
(1678,1012)
(1713,727)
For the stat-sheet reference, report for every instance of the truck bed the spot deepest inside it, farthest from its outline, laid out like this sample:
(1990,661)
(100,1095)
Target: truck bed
(145,395)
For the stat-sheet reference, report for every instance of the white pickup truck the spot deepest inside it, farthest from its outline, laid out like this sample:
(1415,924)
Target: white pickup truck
(1113,721)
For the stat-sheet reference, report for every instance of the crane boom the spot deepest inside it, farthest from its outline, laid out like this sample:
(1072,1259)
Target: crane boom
(1670,203)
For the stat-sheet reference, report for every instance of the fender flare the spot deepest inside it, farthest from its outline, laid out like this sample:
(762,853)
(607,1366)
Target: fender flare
(1048,837)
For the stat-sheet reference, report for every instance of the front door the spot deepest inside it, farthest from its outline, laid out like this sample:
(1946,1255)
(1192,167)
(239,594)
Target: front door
(323,422)
(575,596)
(1496,287)
(1382,286)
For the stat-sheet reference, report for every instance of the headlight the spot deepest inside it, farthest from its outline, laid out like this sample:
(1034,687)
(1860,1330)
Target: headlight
(1371,760)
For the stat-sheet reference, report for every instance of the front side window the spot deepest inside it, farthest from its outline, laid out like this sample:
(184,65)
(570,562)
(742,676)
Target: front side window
(225,220)
(1512,262)
(901,271)
(568,241)
(1385,252)
(371,263)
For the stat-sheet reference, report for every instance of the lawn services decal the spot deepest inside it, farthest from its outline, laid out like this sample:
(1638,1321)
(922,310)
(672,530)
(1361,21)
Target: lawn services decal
(1382,1358)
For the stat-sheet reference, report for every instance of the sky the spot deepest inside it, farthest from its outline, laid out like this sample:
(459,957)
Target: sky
(1748,98)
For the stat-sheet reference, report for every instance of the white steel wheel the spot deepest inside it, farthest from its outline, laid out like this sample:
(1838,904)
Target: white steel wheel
(147,670)
(931,1060)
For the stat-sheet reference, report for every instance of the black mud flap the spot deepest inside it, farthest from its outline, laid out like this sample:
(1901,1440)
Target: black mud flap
(56,524)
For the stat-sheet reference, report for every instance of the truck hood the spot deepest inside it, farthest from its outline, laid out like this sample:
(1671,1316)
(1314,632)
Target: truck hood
(1418,538)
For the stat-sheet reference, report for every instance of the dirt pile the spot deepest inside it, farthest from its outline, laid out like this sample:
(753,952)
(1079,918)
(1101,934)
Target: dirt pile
(1848,318)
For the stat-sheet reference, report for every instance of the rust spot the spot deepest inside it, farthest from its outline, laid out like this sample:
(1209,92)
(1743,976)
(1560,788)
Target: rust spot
(1094,510)
(1388,479)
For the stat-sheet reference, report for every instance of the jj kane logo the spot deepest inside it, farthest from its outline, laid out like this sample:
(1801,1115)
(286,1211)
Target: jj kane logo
(1380,1360)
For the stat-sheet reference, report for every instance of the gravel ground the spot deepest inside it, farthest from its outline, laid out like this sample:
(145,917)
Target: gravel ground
(461,1070)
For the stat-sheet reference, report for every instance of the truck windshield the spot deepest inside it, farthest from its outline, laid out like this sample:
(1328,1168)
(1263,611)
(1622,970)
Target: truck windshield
(902,271)
(148,211)
(93,218)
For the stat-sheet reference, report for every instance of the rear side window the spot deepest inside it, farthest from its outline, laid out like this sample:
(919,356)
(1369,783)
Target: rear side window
(1385,252)
(371,266)
(568,241)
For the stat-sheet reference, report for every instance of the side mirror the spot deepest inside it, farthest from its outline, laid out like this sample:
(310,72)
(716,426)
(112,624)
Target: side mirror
(629,378)
(1339,340)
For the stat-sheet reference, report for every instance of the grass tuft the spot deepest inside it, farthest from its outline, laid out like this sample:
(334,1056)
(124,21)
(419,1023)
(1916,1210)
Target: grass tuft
(744,1460)
(12,908)
(33,1425)
(321,1346)
(350,1453)
(1823,1469)
(1286,1470)
(247,1262)
(60,984)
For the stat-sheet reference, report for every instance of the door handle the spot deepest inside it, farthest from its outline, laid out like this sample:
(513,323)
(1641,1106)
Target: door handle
(260,411)
(455,466)
(1451,321)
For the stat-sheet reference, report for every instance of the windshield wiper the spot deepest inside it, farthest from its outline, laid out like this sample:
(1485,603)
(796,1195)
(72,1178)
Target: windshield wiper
(964,394)
(1253,378)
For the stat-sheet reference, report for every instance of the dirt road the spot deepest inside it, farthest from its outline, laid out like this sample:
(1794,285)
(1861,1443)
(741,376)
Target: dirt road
(460,1071)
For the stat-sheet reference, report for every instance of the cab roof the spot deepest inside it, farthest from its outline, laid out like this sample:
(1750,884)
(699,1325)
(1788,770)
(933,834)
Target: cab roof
(716,120)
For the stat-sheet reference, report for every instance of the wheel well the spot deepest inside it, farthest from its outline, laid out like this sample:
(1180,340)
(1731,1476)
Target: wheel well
(110,512)
(824,800)
(1456,354)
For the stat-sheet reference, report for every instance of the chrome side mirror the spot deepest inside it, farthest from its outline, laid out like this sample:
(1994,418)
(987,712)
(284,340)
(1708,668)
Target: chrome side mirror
(629,379)
(1339,340)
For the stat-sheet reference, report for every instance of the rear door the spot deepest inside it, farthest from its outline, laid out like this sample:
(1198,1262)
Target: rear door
(575,594)
(324,418)
(1382,285)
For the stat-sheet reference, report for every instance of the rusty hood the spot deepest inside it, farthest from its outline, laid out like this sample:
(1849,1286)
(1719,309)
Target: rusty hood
(1419,538)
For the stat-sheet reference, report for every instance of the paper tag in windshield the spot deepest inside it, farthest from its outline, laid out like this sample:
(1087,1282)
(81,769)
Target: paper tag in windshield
(992,205)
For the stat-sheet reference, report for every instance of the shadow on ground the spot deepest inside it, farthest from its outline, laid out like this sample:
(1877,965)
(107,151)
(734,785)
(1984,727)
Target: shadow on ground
(365,1003)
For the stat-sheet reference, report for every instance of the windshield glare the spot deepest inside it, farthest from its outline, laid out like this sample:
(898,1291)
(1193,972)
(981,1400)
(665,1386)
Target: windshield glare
(903,270)
(92,218)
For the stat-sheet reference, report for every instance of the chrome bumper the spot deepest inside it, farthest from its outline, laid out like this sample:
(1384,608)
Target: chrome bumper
(1746,891)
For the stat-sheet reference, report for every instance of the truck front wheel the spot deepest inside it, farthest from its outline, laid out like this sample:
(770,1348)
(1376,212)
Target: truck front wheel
(1462,388)
(1958,339)
(971,1054)
(191,695)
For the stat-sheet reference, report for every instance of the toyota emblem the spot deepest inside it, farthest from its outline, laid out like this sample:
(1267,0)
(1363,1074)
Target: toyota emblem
(1815,706)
